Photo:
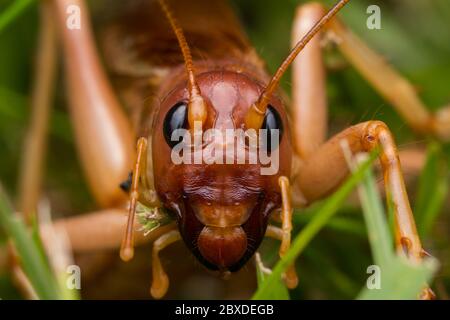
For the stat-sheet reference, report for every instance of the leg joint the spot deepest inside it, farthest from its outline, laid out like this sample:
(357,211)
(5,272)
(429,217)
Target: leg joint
(374,134)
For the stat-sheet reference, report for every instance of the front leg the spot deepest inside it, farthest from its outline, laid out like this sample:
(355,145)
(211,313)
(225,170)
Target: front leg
(283,234)
(160,281)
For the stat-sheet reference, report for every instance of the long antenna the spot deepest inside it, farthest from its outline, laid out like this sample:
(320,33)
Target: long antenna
(255,115)
(197,107)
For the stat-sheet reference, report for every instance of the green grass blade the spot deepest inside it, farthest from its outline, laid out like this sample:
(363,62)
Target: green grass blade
(432,191)
(327,210)
(279,290)
(7,289)
(338,223)
(33,263)
(330,272)
(13,11)
(61,276)
(399,279)
(377,227)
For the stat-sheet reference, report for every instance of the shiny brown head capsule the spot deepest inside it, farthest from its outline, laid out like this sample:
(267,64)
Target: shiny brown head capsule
(222,208)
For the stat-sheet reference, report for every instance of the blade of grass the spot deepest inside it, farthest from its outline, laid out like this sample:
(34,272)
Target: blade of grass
(339,224)
(323,215)
(432,190)
(58,257)
(7,289)
(401,280)
(377,228)
(331,273)
(13,11)
(279,290)
(33,262)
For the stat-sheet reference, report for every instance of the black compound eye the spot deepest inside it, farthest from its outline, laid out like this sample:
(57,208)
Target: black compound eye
(175,119)
(272,123)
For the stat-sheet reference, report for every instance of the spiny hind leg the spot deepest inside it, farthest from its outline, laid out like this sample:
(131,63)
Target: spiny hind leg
(103,133)
(309,90)
(104,138)
(309,99)
(324,171)
(309,95)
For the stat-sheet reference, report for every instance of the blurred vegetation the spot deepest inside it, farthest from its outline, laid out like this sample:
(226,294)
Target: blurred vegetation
(415,38)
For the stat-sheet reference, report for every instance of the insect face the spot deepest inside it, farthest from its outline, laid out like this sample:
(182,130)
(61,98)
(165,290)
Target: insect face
(215,184)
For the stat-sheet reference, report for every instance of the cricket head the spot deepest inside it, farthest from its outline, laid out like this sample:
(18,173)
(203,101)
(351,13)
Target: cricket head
(219,177)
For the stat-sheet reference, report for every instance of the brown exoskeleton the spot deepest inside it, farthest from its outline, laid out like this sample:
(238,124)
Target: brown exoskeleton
(221,210)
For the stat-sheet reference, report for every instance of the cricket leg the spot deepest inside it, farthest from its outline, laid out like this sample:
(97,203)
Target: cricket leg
(290,277)
(93,232)
(284,233)
(160,282)
(390,84)
(99,230)
(309,99)
(309,96)
(324,171)
(103,133)
(104,138)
